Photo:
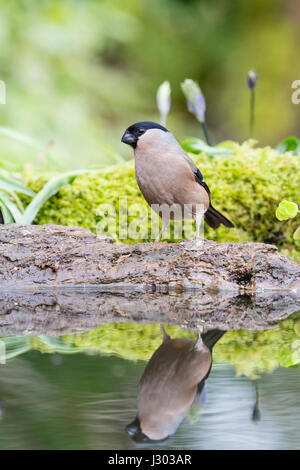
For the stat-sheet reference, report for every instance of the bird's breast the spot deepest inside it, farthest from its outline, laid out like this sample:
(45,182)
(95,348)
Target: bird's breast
(155,180)
(168,179)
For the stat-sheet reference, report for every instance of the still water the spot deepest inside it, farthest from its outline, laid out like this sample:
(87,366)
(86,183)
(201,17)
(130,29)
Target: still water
(205,387)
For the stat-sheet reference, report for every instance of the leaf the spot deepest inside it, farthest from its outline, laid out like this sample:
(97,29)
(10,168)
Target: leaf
(11,206)
(18,137)
(50,188)
(227,144)
(11,184)
(297,234)
(285,356)
(17,201)
(286,210)
(289,144)
(6,214)
(57,345)
(14,346)
(194,145)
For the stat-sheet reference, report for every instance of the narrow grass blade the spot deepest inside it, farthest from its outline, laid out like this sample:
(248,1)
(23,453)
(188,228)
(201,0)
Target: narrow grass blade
(18,137)
(14,346)
(17,201)
(11,206)
(50,188)
(12,184)
(6,214)
(59,346)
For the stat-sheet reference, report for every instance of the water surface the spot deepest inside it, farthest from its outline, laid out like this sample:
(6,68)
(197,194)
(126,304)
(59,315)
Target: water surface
(76,387)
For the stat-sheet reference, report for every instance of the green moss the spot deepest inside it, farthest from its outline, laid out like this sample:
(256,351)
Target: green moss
(246,187)
(132,341)
(255,352)
(38,344)
(251,352)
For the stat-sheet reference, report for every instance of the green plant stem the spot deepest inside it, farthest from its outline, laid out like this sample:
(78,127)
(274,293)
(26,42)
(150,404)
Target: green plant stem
(163,120)
(252,106)
(205,131)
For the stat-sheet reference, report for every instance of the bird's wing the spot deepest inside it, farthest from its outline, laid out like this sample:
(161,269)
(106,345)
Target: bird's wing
(197,173)
(212,217)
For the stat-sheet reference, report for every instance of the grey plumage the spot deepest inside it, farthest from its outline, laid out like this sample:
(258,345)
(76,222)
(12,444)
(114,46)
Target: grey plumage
(166,175)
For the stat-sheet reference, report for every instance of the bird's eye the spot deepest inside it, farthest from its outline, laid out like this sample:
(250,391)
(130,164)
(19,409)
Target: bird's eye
(141,131)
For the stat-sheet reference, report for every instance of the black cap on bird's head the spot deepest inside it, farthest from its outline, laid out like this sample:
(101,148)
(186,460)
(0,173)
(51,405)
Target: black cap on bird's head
(134,132)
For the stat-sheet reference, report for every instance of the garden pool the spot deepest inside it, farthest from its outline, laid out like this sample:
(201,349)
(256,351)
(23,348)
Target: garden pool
(79,390)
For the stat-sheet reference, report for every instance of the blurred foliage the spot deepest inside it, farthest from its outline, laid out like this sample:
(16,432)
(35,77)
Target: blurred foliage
(78,73)
(254,181)
(11,207)
(255,352)
(289,144)
(288,210)
(133,341)
(251,352)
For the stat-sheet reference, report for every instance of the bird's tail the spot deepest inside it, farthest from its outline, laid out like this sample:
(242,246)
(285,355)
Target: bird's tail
(211,337)
(214,218)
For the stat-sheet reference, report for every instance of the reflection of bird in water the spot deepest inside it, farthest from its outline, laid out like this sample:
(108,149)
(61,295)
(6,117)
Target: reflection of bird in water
(175,373)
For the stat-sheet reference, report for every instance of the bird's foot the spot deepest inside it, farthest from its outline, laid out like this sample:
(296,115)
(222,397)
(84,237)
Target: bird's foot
(193,244)
(200,328)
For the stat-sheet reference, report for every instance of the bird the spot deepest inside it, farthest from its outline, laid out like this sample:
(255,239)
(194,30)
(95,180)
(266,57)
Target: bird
(175,374)
(168,177)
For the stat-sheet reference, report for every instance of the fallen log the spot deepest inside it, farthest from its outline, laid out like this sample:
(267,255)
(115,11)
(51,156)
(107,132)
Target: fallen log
(44,256)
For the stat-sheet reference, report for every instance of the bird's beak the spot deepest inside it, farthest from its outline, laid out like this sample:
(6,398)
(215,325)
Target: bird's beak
(135,433)
(128,138)
(133,428)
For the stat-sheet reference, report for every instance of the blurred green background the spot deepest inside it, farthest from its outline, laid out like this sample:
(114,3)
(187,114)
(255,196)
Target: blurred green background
(77,73)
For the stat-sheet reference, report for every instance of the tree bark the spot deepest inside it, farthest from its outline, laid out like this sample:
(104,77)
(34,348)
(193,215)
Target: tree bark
(56,256)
